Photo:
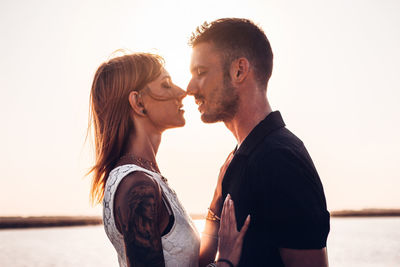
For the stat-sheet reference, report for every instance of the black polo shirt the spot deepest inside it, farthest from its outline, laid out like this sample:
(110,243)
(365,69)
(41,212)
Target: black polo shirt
(272,178)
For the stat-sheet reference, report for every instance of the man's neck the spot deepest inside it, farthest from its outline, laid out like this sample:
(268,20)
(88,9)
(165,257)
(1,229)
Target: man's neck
(247,117)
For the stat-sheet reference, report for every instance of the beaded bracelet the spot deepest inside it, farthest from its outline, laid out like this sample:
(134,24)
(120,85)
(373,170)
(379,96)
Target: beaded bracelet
(226,261)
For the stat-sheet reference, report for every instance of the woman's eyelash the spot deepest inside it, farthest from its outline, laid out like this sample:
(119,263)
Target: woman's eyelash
(166,85)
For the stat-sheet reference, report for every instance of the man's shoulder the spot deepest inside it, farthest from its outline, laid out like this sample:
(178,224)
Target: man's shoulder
(282,155)
(280,141)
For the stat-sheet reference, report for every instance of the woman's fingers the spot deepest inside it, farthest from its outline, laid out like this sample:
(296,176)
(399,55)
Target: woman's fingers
(232,216)
(224,218)
(242,233)
(230,240)
(228,219)
(228,212)
(244,228)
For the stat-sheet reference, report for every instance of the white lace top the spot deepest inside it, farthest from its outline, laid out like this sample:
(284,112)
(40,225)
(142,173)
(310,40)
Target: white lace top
(180,246)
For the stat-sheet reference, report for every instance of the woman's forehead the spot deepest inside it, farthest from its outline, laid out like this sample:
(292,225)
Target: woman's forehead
(163,76)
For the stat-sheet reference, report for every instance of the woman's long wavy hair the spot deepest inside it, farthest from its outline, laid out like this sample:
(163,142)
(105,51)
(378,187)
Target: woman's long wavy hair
(110,111)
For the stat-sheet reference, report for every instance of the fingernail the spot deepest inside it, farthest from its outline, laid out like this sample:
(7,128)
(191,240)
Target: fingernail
(226,199)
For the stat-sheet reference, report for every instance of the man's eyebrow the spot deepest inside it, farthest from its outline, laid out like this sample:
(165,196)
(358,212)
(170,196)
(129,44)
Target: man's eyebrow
(166,77)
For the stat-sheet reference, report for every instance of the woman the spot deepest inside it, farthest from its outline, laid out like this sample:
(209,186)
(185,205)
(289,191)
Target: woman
(133,101)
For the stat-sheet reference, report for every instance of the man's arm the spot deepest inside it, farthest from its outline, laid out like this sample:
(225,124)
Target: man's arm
(137,204)
(304,257)
(293,200)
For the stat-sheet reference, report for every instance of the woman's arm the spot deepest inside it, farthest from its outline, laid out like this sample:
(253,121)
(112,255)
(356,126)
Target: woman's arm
(137,211)
(209,239)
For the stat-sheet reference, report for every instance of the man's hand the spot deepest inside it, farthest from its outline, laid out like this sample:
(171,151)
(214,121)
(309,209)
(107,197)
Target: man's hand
(230,241)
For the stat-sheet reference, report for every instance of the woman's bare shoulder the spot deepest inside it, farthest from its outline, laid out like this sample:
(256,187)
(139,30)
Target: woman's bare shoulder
(136,183)
(136,212)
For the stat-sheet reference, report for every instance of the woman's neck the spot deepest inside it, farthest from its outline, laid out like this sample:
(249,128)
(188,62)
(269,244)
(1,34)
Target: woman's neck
(143,144)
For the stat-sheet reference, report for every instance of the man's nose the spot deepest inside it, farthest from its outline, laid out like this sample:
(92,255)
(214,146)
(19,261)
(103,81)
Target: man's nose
(191,88)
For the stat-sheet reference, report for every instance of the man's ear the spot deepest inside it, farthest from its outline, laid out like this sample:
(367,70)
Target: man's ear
(136,103)
(239,69)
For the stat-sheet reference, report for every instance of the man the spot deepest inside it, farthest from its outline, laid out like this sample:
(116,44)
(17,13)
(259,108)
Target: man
(270,174)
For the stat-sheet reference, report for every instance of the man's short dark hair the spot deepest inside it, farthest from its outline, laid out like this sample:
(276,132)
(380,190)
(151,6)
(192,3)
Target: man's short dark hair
(236,38)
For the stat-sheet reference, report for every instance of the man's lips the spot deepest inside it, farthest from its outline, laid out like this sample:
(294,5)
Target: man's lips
(199,101)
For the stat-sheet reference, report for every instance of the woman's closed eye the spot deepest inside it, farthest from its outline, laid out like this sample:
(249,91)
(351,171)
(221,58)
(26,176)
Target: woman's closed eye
(167,85)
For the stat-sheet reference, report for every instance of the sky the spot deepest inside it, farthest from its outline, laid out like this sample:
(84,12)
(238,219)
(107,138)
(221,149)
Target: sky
(335,81)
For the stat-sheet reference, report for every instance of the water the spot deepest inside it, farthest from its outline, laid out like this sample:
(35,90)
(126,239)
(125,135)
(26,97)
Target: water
(353,242)
(367,242)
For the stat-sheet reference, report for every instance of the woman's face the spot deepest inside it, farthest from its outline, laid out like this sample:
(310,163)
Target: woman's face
(162,101)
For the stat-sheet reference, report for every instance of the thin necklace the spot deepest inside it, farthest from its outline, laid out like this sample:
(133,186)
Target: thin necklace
(144,163)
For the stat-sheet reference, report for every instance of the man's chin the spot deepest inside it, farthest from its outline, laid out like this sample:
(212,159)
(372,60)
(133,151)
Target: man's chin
(213,118)
(209,118)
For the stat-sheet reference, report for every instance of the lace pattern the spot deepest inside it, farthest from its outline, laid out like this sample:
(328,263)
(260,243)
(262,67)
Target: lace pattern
(180,246)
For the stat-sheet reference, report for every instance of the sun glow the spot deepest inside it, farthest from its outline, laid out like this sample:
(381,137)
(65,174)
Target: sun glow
(328,73)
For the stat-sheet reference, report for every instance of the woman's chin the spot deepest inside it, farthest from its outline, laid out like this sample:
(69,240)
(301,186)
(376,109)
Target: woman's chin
(178,123)
(181,120)
(181,123)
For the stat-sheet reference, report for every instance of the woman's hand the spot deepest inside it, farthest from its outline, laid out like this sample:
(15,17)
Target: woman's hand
(230,241)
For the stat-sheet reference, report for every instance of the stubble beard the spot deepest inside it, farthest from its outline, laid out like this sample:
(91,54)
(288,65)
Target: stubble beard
(227,102)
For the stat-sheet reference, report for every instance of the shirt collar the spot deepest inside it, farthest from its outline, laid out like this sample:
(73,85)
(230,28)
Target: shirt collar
(272,122)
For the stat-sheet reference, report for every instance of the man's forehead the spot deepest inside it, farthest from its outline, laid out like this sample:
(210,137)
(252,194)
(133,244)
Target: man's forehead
(204,54)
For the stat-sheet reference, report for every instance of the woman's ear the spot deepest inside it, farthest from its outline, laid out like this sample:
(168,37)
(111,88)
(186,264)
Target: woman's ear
(239,69)
(136,103)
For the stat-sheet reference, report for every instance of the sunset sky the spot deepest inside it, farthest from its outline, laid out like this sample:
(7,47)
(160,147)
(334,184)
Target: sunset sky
(335,80)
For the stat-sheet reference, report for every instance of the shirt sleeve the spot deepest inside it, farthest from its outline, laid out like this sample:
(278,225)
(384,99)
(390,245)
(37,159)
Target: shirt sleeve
(290,200)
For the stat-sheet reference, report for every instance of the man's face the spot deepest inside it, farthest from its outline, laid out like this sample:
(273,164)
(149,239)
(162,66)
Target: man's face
(211,85)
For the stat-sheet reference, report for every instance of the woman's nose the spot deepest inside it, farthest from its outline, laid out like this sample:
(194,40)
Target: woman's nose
(180,93)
